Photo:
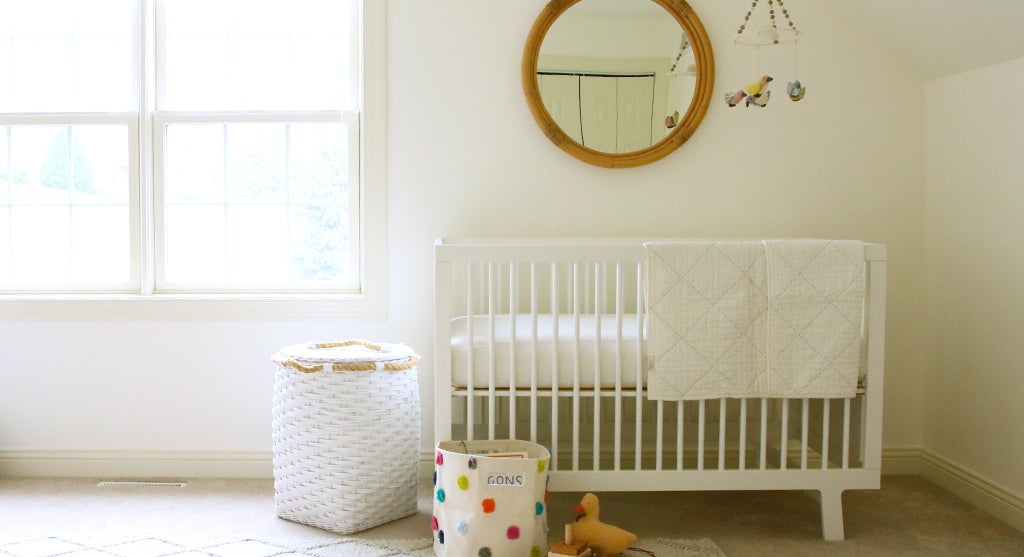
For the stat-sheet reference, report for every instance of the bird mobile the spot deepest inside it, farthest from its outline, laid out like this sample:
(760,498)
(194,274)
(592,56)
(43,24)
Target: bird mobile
(769,34)
(757,94)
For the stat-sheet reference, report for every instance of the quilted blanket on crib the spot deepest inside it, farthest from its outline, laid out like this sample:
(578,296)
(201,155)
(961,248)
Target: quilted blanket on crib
(765,318)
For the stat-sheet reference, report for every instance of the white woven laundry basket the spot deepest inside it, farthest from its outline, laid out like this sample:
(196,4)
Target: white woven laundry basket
(346,434)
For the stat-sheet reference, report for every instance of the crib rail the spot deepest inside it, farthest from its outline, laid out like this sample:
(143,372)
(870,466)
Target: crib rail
(602,430)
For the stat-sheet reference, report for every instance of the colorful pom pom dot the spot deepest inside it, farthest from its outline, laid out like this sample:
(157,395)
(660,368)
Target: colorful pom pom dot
(488,505)
(440,536)
(440,459)
(541,464)
(539,507)
(472,463)
(435,478)
(512,532)
(462,527)
(484,552)
(440,495)
(433,524)
(535,551)
(463,482)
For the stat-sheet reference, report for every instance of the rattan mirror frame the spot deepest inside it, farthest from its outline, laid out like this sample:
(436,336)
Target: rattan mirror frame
(699,42)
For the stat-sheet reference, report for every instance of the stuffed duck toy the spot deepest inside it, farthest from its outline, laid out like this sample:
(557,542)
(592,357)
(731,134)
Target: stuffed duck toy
(606,540)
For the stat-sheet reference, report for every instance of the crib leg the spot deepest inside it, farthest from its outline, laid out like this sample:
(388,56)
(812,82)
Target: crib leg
(832,514)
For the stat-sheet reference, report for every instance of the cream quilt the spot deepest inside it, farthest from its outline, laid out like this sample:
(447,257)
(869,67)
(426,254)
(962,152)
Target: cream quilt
(758,318)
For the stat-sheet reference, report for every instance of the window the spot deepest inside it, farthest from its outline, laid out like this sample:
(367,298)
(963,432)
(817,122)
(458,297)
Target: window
(155,147)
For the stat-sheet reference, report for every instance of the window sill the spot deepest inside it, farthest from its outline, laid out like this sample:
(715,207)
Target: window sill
(224,307)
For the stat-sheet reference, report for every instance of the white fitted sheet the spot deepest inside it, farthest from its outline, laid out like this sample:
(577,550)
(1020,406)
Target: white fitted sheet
(593,363)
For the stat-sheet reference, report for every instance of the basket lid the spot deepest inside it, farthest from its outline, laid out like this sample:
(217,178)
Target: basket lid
(347,355)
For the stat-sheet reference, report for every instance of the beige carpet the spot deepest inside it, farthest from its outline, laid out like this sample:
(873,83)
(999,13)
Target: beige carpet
(908,517)
(186,546)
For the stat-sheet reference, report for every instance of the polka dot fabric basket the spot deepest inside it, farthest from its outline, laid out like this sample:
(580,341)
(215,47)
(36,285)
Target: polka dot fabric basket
(346,434)
(490,499)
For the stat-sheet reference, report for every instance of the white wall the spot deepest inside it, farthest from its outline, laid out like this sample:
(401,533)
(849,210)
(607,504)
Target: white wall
(466,158)
(975,224)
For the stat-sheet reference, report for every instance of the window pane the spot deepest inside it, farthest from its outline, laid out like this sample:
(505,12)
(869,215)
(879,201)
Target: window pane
(47,160)
(318,169)
(319,242)
(195,243)
(41,243)
(257,243)
(194,164)
(252,55)
(256,162)
(100,247)
(196,72)
(39,164)
(102,78)
(41,74)
(100,164)
(5,168)
(65,55)
(5,244)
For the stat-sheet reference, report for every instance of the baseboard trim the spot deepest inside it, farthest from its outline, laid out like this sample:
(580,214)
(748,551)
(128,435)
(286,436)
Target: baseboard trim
(989,496)
(136,464)
(901,461)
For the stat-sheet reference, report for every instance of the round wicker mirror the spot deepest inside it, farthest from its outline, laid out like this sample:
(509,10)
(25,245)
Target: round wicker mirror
(670,129)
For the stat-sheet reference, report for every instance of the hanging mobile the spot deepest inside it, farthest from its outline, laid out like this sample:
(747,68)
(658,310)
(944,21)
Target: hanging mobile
(768,34)
(672,120)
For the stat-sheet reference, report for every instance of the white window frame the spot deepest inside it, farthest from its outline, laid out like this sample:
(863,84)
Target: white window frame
(368,303)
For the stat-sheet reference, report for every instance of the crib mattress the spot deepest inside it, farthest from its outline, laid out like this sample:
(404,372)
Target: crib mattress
(554,354)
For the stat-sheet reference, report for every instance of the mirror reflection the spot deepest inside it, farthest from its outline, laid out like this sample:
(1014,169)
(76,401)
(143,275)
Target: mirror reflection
(616,75)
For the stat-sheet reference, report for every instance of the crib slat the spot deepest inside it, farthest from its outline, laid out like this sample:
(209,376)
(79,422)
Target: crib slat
(784,457)
(846,433)
(555,368)
(491,354)
(721,434)
(637,458)
(680,409)
(764,434)
(701,420)
(619,286)
(533,352)
(660,436)
(826,410)
(803,434)
(513,309)
(470,371)
(743,434)
(598,310)
(576,303)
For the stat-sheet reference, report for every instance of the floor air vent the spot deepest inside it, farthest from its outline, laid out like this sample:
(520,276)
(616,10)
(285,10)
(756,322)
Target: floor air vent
(142,484)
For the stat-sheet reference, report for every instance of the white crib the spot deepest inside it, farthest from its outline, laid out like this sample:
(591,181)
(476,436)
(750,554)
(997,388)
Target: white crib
(544,340)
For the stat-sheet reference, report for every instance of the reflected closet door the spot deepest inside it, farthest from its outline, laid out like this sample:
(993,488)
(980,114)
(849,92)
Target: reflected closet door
(635,112)
(561,95)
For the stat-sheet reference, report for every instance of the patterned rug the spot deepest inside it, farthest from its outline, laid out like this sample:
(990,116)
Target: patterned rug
(288,547)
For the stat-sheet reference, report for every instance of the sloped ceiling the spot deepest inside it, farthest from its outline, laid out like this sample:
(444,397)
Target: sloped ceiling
(937,38)
(934,38)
